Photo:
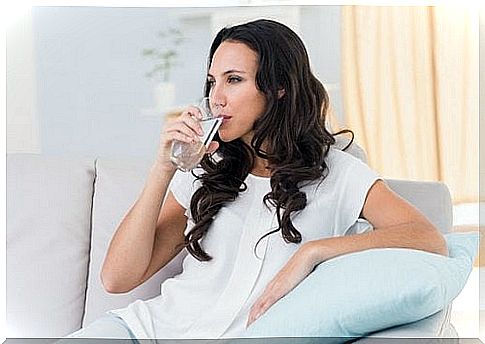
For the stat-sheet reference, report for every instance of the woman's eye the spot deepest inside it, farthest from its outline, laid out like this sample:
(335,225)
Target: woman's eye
(233,79)
(210,83)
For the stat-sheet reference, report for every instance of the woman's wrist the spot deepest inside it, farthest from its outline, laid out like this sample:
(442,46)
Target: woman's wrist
(164,166)
(162,172)
(313,252)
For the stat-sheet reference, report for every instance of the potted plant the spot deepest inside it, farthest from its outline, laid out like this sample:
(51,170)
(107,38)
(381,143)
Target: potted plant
(165,58)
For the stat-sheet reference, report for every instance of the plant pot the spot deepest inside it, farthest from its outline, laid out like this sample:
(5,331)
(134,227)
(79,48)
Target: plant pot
(164,94)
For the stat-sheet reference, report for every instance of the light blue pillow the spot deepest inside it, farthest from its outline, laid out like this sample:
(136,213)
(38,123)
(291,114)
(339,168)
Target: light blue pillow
(359,293)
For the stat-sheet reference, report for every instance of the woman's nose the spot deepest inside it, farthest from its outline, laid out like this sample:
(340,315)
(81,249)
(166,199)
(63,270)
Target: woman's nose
(217,97)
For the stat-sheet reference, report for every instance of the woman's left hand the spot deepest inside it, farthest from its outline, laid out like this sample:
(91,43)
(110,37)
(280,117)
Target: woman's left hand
(296,270)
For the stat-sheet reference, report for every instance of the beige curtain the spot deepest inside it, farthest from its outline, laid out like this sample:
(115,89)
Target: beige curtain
(410,92)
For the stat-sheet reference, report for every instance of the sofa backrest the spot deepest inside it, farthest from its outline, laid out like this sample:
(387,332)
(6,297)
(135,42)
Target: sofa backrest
(48,238)
(61,215)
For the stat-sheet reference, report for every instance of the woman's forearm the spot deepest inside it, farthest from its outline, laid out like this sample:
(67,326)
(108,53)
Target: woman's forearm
(130,250)
(419,236)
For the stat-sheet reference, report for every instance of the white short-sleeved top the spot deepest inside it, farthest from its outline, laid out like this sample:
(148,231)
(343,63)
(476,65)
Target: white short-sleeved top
(212,299)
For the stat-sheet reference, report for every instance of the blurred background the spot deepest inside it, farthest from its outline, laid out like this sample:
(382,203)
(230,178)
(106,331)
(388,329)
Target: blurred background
(99,81)
(77,76)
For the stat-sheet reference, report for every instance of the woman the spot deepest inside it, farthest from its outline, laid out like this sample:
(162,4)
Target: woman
(271,200)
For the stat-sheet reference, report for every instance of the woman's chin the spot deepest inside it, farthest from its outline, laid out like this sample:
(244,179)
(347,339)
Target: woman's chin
(228,136)
(225,137)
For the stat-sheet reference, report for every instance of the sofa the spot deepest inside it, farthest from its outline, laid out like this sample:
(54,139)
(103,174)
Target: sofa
(61,214)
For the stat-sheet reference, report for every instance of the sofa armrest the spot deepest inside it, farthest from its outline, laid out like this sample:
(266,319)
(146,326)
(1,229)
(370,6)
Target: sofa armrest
(433,199)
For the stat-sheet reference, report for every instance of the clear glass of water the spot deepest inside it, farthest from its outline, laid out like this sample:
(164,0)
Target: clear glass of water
(187,156)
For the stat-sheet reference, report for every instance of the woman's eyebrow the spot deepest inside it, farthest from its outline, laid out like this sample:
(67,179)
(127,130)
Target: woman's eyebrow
(228,72)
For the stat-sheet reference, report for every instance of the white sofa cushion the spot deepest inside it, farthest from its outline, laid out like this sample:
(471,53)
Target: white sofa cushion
(48,225)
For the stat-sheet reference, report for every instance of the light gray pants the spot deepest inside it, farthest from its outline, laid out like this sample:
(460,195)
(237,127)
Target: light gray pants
(108,326)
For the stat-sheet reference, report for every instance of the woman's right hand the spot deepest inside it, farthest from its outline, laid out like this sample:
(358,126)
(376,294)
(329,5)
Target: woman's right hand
(184,128)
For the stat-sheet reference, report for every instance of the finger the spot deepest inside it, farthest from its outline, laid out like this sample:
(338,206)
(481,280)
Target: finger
(262,306)
(178,136)
(252,311)
(250,320)
(192,122)
(253,316)
(195,111)
(256,310)
(182,128)
(213,146)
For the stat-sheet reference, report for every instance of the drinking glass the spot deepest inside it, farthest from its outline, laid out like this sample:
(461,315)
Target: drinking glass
(187,156)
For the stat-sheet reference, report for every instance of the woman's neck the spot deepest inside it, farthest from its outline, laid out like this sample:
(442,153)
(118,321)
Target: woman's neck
(260,165)
(260,168)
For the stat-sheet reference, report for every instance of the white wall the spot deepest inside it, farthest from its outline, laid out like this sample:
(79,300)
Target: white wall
(89,94)
(22,122)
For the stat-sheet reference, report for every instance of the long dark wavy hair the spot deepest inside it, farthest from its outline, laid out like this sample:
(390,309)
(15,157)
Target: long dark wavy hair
(292,129)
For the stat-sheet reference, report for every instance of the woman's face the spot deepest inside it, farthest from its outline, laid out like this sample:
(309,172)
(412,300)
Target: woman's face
(233,91)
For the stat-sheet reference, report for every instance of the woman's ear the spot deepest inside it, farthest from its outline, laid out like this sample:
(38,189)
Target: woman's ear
(281,93)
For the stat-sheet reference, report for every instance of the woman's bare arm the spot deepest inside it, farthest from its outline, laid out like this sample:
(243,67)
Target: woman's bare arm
(150,234)
(146,237)
(396,223)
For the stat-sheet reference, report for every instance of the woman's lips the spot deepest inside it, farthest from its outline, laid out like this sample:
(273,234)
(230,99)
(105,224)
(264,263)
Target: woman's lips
(225,118)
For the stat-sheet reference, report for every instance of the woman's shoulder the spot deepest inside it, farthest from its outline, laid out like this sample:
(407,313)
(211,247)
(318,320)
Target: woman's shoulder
(339,159)
(342,165)
(187,180)
(343,169)
(183,186)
